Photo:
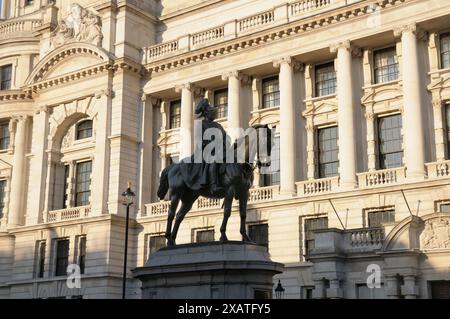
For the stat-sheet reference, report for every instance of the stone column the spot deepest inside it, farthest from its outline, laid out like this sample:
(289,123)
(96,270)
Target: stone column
(414,134)
(371,139)
(71,185)
(187,119)
(100,167)
(287,67)
(319,289)
(234,78)
(335,290)
(17,194)
(310,148)
(392,287)
(346,110)
(439,131)
(409,288)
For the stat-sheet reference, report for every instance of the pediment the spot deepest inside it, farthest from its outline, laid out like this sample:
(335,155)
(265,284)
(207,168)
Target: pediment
(321,108)
(442,82)
(381,95)
(4,168)
(68,59)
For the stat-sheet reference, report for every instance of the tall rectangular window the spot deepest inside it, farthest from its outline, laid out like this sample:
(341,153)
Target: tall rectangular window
(259,234)
(40,258)
(390,141)
(328,152)
(62,257)
(83,184)
(66,185)
(2,197)
(155,243)
(445,51)
(4,136)
(221,102)
(326,81)
(5,77)
(273,177)
(386,65)
(204,236)
(175,114)
(447,117)
(377,219)
(82,253)
(270,92)
(311,225)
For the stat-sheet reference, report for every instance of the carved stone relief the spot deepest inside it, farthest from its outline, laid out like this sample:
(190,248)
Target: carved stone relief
(436,234)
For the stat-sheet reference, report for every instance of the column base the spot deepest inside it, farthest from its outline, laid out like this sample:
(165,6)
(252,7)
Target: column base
(287,193)
(348,185)
(415,176)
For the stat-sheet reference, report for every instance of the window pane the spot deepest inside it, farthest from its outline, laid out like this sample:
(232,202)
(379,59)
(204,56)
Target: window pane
(4,136)
(311,225)
(328,160)
(175,114)
(2,197)
(377,219)
(326,81)
(5,77)
(155,243)
(62,257)
(390,141)
(447,111)
(82,254)
(386,65)
(273,177)
(259,234)
(84,130)
(204,236)
(270,92)
(445,51)
(221,103)
(83,183)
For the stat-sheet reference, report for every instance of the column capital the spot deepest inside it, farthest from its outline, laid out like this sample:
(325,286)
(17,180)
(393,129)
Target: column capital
(244,78)
(437,103)
(188,86)
(152,99)
(106,92)
(410,28)
(369,115)
(296,65)
(346,45)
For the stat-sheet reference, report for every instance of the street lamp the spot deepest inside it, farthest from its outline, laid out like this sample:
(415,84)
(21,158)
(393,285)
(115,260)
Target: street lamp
(128,199)
(279,291)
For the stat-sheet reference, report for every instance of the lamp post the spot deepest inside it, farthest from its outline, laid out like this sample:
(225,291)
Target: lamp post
(279,290)
(128,199)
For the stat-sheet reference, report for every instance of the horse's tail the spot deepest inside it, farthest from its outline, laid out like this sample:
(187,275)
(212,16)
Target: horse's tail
(163,183)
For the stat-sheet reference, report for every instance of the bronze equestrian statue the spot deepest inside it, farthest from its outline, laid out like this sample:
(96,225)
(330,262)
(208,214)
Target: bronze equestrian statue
(188,179)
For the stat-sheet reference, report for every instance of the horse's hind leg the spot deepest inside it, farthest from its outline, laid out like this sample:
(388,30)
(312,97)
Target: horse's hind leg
(228,201)
(186,205)
(174,200)
(243,198)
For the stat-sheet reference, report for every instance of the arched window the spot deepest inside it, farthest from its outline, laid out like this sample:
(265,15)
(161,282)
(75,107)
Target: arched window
(84,130)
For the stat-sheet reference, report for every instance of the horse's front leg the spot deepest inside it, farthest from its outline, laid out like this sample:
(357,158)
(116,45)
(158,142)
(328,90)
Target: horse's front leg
(186,205)
(174,200)
(227,203)
(243,199)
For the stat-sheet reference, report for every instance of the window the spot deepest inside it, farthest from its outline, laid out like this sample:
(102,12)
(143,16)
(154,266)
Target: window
(311,225)
(5,77)
(270,92)
(386,65)
(82,253)
(175,114)
(62,257)
(155,243)
(66,185)
(377,219)
(40,259)
(84,130)
(2,197)
(29,2)
(445,51)
(259,234)
(273,176)
(307,292)
(221,103)
(4,136)
(83,184)
(445,208)
(326,81)
(390,141)
(328,152)
(447,116)
(204,236)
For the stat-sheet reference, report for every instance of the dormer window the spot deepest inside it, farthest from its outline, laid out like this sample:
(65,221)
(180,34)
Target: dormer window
(84,130)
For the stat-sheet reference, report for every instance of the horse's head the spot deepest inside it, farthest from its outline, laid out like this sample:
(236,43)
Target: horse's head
(265,142)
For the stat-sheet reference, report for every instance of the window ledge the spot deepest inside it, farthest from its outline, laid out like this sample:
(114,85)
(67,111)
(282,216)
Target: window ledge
(320,98)
(378,85)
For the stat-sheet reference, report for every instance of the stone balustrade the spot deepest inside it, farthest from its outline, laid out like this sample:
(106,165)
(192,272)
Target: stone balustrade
(304,6)
(160,50)
(317,186)
(68,214)
(364,239)
(207,36)
(382,177)
(438,169)
(262,194)
(256,21)
(18,28)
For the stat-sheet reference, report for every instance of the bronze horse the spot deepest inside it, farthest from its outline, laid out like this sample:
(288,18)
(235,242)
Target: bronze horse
(237,179)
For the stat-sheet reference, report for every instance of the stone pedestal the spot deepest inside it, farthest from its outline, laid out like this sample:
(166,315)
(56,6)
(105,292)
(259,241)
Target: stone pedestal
(231,270)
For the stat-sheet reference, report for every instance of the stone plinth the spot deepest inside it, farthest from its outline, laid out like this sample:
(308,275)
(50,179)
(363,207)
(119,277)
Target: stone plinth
(231,270)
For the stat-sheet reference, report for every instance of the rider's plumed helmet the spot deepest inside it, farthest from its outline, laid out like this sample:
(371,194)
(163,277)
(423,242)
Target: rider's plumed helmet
(202,107)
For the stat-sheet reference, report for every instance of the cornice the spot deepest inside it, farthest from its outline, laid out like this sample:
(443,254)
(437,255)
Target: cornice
(15,95)
(266,36)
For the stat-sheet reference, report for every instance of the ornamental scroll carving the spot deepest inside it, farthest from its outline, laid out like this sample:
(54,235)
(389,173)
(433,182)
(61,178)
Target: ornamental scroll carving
(436,234)
(80,25)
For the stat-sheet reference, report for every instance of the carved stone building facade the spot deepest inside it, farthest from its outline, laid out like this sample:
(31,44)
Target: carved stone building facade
(94,94)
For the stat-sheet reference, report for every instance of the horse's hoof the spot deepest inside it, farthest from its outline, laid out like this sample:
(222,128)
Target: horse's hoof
(170,242)
(246,239)
(223,238)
